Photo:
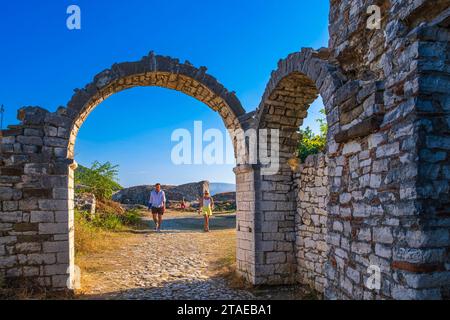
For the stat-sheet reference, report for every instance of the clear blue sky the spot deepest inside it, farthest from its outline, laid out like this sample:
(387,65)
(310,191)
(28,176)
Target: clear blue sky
(240,42)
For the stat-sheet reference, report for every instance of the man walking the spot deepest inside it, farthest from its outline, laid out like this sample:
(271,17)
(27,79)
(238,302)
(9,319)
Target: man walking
(157,204)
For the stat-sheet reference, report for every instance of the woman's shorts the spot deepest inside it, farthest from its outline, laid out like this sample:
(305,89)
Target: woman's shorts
(159,211)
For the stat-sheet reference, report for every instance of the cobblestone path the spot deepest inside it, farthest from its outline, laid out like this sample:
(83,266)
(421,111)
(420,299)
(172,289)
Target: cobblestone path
(174,264)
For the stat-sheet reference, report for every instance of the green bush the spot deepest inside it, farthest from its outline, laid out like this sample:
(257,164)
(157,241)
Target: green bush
(108,221)
(131,217)
(311,143)
(99,179)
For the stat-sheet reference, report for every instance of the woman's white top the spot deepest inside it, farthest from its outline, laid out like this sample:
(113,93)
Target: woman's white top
(206,202)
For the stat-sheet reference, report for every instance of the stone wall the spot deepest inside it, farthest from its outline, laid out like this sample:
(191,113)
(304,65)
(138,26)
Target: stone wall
(386,95)
(385,92)
(85,202)
(245,224)
(311,183)
(378,186)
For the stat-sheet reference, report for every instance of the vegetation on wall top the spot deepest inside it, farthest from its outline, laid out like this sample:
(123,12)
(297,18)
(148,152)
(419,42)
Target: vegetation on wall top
(99,179)
(311,143)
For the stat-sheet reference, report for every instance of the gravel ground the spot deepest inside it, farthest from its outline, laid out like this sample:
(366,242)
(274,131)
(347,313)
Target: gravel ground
(174,264)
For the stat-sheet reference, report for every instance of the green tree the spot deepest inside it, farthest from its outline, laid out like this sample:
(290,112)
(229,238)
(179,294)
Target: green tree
(99,179)
(311,143)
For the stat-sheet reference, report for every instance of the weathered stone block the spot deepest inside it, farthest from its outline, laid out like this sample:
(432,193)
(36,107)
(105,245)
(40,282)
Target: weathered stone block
(383,235)
(55,142)
(37,141)
(42,216)
(55,247)
(28,205)
(53,228)
(351,147)
(275,257)
(383,251)
(28,247)
(10,205)
(40,259)
(56,269)
(15,216)
(60,281)
(25,227)
(388,150)
(8,261)
(56,205)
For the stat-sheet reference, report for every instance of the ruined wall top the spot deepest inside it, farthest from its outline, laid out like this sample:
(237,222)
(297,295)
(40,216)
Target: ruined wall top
(359,49)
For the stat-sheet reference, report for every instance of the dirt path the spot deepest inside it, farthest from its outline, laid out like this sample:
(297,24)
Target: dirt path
(178,263)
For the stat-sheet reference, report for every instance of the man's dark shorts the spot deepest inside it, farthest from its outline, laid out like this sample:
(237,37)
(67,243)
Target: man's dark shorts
(159,211)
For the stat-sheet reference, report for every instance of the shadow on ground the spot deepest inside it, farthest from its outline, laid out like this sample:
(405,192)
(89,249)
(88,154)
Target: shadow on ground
(186,284)
(192,222)
(215,288)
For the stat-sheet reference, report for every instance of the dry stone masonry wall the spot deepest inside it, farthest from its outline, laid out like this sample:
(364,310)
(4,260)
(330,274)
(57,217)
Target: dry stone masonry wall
(86,202)
(311,183)
(395,224)
(386,95)
(381,202)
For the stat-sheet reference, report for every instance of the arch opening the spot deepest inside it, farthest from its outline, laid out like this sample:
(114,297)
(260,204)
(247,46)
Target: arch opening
(220,225)
(150,71)
(176,82)
(291,215)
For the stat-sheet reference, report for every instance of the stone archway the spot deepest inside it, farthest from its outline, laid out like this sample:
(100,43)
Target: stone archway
(292,88)
(40,208)
(309,244)
(154,70)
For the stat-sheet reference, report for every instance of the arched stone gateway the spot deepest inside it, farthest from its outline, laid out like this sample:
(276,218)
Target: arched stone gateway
(37,166)
(153,70)
(369,219)
(297,82)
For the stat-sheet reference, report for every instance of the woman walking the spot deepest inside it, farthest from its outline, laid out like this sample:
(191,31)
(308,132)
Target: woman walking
(206,208)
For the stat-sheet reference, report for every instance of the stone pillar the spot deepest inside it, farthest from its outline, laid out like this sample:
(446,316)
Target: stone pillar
(275,227)
(73,271)
(265,226)
(245,221)
(34,221)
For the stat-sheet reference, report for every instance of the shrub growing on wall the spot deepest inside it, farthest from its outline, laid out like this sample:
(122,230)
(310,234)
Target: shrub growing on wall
(99,179)
(311,143)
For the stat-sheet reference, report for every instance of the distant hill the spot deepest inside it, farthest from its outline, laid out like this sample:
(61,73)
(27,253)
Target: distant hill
(219,187)
(140,194)
(189,192)
(227,196)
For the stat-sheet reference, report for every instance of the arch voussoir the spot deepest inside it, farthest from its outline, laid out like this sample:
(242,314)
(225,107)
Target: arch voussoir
(154,70)
(310,75)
